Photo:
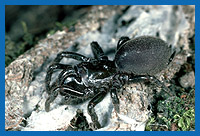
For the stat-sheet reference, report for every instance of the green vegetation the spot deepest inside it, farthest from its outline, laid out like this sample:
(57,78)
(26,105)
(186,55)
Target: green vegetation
(174,114)
(13,50)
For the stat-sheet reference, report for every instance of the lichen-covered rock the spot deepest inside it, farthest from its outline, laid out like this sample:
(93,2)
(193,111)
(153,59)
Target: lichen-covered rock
(187,80)
(17,81)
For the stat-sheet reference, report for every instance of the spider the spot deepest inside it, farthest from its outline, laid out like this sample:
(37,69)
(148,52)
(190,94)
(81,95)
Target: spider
(136,60)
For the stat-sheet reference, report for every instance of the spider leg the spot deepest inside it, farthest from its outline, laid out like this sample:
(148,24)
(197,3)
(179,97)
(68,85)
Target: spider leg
(118,81)
(153,79)
(56,65)
(98,52)
(172,57)
(53,93)
(66,54)
(51,97)
(50,71)
(160,84)
(95,100)
(115,99)
(61,89)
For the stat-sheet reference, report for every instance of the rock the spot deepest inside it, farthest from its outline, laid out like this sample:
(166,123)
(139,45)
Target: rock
(134,110)
(17,81)
(187,80)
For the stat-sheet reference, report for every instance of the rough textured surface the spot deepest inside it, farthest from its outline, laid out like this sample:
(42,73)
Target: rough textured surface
(24,79)
(187,80)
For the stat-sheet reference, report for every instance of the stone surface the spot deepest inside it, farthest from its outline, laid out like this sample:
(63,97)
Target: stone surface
(187,80)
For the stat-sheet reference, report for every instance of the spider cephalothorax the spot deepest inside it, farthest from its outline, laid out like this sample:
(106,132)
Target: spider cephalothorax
(136,60)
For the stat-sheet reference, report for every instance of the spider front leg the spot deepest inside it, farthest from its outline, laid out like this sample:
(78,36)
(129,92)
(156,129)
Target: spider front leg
(72,55)
(97,99)
(51,97)
(64,90)
(56,65)
(52,68)
(58,85)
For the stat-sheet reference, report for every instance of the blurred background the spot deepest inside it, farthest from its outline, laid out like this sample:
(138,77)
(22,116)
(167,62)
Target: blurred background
(26,25)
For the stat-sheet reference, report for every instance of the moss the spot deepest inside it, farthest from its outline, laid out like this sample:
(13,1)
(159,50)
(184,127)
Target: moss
(174,114)
(64,25)
(14,49)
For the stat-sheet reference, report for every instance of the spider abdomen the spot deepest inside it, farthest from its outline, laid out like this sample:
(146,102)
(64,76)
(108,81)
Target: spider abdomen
(143,55)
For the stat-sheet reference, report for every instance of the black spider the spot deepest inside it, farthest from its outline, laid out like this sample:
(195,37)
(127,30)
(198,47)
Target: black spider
(136,60)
